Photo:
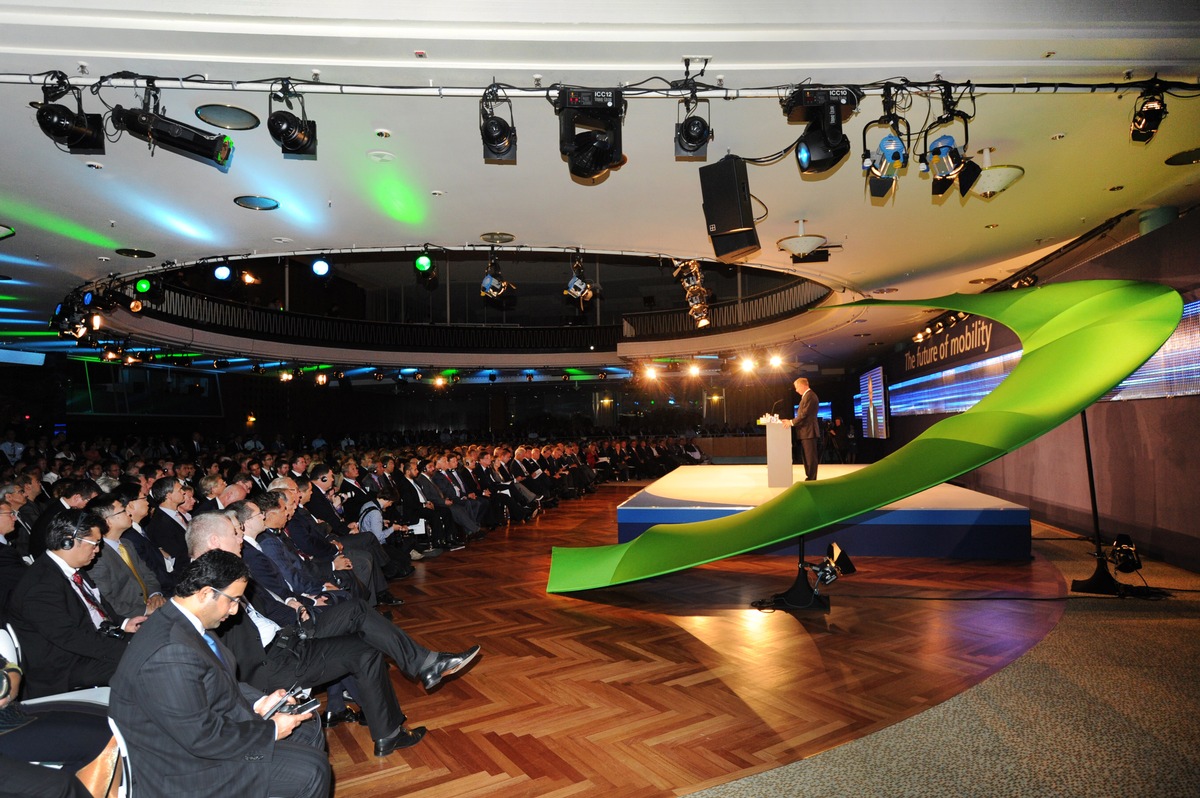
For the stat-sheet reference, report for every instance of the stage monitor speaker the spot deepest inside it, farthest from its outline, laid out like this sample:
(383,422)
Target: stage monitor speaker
(728,214)
(735,247)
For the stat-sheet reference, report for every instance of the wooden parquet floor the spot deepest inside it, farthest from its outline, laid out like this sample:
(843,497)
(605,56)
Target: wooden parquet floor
(672,685)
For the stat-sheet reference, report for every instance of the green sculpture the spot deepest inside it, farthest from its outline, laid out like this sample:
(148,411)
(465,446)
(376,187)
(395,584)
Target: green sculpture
(1079,340)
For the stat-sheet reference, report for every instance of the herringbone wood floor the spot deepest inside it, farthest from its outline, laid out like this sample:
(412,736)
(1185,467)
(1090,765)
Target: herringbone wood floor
(668,686)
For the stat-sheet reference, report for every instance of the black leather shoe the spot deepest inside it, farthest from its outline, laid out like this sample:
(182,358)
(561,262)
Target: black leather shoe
(446,665)
(386,599)
(405,738)
(347,715)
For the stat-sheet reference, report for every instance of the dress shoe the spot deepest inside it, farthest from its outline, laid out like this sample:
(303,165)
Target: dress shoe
(404,738)
(430,553)
(446,665)
(386,599)
(347,715)
(415,555)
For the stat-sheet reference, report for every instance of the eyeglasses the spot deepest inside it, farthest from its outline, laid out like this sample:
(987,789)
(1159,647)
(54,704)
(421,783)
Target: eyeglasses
(7,513)
(89,541)
(238,600)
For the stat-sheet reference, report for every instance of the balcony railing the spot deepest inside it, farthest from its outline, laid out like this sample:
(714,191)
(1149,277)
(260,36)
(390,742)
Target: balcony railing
(241,320)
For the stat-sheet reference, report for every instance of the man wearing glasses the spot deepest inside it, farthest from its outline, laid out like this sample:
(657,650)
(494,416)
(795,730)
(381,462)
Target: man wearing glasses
(192,728)
(124,580)
(70,635)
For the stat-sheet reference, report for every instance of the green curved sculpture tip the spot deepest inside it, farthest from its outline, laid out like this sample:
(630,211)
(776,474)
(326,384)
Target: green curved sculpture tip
(1079,341)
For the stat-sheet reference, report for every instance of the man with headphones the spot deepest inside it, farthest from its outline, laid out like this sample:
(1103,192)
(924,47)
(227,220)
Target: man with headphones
(70,636)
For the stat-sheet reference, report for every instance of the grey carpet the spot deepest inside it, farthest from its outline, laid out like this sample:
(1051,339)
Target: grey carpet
(1105,705)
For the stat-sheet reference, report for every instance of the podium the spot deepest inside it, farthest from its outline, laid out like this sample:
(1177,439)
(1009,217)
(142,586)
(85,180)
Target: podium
(779,455)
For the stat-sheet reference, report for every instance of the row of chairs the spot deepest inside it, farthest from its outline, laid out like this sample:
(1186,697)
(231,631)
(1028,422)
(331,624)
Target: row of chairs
(10,648)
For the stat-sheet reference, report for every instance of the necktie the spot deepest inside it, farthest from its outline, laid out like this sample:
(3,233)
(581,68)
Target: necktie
(77,578)
(212,643)
(124,552)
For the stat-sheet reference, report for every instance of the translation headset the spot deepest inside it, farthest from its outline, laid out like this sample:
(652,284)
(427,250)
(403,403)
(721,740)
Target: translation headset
(69,543)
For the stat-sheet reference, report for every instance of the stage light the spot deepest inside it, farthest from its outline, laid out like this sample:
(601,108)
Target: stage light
(747,364)
(439,381)
(378,375)
(650,372)
(499,135)
(589,136)
(836,563)
(994,179)
(222,272)
(822,145)
(322,378)
(1150,113)
(258,368)
(157,130)
(130,359)
(1123,555)
(529,376)
(220,364)
(694,370)
(286,376)
(492,376)
(691,277)
(320,267)
(602,376)
(776,361)
(493,285)
(80,133)
(295,135)
(423,262)
(693,132)
(248,278)
(801,245)
(883,164)
(578,286)
(945,161)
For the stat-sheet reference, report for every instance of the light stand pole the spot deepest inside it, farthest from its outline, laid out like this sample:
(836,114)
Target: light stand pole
(1101,581)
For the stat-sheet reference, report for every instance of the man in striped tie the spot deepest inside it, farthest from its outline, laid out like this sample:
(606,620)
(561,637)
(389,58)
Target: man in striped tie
(128,583)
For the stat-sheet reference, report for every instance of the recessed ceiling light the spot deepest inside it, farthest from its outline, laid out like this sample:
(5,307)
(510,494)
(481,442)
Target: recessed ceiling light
(94,165)
(497,238)
(983,281)
(885,290)
(1116,188)
(281,240)
(991,226)
(381,156)
(437,192)
(1185,158)
(1058,137)
(227,117)
(253,203)
(104,259)
(135,253)
(6,232)
(383,133)
(862,335)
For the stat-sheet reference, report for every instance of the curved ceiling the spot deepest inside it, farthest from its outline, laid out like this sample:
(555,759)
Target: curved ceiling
(431,185)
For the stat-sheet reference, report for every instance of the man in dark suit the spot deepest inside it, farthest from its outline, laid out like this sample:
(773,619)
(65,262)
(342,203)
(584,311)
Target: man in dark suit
(70,636)
(167,527)
(806,427)
(72,494)
(191,727)
(12,566)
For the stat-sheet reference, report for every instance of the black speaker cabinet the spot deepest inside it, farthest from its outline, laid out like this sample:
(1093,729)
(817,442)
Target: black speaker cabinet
(725,190)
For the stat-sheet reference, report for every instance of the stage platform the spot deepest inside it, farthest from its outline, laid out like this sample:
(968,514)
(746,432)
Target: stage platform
(944,521)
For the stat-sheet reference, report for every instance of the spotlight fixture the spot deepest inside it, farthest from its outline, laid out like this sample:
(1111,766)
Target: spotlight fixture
(589,132)
(80,133)
(286,376)
(149,289)
(322,378)
(1123,555)
(883,164)
(691,277)
(692,131)
(257,368)
(157,130)
(529,376)
(943,160)
(801,245)
(491,376)
(822,145)
(493,285)
(994,179)
(578,287)
(425,269)
(222,272)
(499,135)
(295,135)
(320,267)
(1149,115)
(378,375)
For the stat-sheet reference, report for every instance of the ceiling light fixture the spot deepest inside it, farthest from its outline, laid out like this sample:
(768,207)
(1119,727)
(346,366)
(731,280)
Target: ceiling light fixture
(578,287)
(994,179)
(692,130)
(499,135)
(691,277)
(295,135)
(801,245)
(222,272)
(157,130)
(320,267)
(589,132)
(883,164)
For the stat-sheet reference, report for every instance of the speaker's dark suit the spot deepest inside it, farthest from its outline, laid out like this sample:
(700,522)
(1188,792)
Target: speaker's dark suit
(191,726)
(37,535)
(60,644)
(807,430)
